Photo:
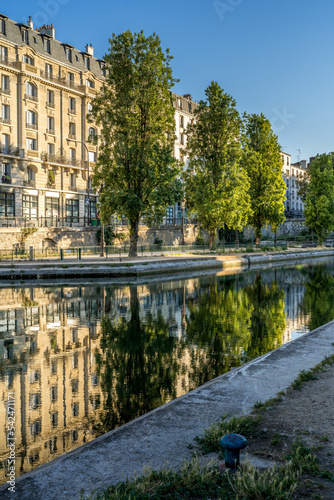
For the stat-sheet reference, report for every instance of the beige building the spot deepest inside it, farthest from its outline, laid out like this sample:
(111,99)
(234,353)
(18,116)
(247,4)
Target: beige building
(294,205)
(46,153)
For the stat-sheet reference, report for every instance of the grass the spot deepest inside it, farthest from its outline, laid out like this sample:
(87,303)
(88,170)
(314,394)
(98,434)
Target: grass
(193,480)
(244,425)
(306,376)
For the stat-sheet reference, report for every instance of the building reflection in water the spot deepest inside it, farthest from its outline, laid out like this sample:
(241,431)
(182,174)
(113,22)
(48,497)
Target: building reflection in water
(83,360)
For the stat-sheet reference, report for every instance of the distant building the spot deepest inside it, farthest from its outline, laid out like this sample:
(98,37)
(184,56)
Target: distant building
(294,205)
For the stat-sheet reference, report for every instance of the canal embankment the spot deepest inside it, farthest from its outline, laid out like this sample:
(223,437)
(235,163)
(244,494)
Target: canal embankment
(96,268)
(164,434)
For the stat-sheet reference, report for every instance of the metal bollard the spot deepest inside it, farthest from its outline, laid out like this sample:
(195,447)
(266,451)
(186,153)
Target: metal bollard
(31,253)
(61,254)
(79,254)
(232,444)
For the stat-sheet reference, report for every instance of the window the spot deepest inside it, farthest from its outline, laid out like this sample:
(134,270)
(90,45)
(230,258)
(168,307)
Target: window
(7,205)
(5,139)
(87,63)
(31,144)
(68,52)
(75,386)
(6,173)
(72,210)
(103,69)
(53,367)
(2,26)
(48,70)
(51,150)
(92,209)
(31,90)
(25,36)
(75,360)
(28,60)
(181,121)
(72,103)
(54,419)
(54,393)
(47,45)
(75,409)
(30,206)
(51,206)
(70,79)
(72,155)
(3,54)
(72,130)
(90,83)
(5,83)
(72,185)
(34,401)
(30,174)
(31,119)
(5,112)
(50,124)
(50,98)
(287,160)
(92,133)
(36,428)
(190,108)
(181,138)
(92,156)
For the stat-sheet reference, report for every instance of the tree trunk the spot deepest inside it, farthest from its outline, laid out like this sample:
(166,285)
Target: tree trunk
(275,238)
(134,225)
(258,236)
(212,238)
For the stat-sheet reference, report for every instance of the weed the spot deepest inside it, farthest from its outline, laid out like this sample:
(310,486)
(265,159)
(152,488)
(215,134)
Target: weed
(326,474)
(244,425)
(276,483)
(276,439)
(302,458)
(304,376)
(259,406)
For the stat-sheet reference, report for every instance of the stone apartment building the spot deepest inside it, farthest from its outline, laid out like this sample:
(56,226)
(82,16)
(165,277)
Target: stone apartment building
(46,154)
(294,205)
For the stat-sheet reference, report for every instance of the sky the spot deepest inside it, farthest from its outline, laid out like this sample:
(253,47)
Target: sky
(273,56)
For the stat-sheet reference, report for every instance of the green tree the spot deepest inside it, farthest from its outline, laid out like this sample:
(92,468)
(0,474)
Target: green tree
(263,163)
(319,208)
(318,301)
(216,185)
(136,170)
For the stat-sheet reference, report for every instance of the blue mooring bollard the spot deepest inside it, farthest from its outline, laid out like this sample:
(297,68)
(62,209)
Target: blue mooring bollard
(232,444)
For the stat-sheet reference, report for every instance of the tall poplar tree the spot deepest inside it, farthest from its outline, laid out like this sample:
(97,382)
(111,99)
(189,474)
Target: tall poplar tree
(319,208)
(216,185)
(136,171)
(263,163)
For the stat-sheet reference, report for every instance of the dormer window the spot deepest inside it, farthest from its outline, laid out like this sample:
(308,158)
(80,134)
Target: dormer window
(25,36)
(2,26)
(90,83)
(87,63)
(103,69)
(68,54)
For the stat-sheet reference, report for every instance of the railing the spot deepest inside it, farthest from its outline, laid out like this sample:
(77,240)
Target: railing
(29,182)
(31,97)
(5,120)
(72,136)
(62,160)
(72,111)
(5,91)
(50,131)
(8,62)
(72,188)
(9,150)
(50,104)
(5,179)
(60,81)
(31,125)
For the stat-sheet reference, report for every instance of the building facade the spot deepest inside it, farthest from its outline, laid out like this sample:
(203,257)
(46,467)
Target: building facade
(292,172)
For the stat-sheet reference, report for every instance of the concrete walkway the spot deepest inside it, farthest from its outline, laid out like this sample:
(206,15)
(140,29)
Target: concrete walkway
(164,434)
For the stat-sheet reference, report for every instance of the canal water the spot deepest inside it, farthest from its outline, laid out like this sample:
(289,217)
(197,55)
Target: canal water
(77,361)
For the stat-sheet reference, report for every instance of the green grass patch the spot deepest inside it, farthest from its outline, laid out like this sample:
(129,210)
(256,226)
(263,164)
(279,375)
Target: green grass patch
(245,425)
(193,480)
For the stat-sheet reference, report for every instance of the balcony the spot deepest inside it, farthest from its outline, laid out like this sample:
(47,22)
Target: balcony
(5,91)
(60,81)
(72,136)
(29,182)
(72,111)
(32,126)
(50,131)
(72,188)
(7,121)
(51,184)
(33,98)
(61,160)
(50,104)
(8,62)
(6,179)
(9,150)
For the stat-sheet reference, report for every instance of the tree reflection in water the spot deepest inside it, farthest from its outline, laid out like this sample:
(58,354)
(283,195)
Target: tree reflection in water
(318,301)
(138,365)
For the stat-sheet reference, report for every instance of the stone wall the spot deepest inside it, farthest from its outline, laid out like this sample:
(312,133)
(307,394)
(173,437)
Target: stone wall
(170,235)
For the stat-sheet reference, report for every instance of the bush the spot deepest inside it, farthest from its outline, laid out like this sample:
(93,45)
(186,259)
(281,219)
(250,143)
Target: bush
(109,235)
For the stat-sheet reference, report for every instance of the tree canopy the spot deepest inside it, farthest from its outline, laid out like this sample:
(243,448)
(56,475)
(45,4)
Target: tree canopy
(136,172)
(216,185)
(263,163)
(319,209)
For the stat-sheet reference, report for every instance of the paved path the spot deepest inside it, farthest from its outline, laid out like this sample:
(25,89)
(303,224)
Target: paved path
(164,434)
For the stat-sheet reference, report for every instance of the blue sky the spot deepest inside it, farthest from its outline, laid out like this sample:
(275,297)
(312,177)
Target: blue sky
(273,56)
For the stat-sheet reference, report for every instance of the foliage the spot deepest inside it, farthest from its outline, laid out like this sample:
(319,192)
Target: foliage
(319,209)
(109,235)
(318,300)
(303,182)
(216,185)
(25,232)
(263,163)
(136,171)
(192,480)
(244,425)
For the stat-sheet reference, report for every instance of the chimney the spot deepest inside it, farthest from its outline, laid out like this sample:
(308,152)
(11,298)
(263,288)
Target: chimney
(89,49)
(188,96)
(30,23)
(47,30)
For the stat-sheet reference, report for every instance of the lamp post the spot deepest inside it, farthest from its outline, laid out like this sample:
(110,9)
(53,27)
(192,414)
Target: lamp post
(183,205)
(87,201)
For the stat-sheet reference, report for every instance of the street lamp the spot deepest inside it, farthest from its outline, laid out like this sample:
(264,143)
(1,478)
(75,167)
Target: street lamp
(88,185)
(183,205)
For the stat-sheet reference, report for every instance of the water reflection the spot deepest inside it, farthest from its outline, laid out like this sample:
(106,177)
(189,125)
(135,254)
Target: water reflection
(82,360)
